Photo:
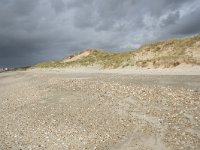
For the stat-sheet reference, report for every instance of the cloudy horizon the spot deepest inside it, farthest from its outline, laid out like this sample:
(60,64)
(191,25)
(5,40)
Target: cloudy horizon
(39,30)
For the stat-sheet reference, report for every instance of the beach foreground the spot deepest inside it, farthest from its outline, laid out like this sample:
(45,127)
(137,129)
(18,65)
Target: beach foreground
(63,110)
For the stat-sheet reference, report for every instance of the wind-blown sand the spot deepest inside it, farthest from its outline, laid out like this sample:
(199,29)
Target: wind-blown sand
(79,109)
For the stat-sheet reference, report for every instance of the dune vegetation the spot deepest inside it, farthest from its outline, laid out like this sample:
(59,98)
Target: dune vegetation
(165,54)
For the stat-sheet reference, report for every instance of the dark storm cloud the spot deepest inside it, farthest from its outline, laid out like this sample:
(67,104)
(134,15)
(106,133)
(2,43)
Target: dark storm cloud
(171,18)
(189,24)
(32,31)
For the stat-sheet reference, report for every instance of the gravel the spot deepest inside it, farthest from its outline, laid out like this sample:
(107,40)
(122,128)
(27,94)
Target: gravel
(98,111)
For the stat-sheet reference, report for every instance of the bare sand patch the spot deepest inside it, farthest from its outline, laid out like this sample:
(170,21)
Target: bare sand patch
(179,70)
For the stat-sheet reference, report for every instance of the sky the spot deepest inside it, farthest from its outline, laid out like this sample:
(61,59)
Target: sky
(33,31)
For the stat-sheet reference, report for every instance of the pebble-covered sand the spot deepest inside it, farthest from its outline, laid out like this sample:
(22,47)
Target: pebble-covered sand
(99,111)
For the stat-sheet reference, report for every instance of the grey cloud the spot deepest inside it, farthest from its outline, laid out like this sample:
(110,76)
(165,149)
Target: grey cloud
(189,24)
(171,18)
(23,7)
(159,7)
(58,5)
(84,18)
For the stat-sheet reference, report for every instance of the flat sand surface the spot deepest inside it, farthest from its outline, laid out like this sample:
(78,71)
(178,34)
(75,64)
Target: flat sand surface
(179,70)
(59,110)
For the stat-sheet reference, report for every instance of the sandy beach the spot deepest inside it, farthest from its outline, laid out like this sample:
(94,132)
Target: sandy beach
(102,109)
(99,75)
